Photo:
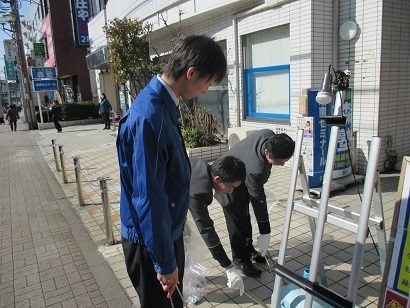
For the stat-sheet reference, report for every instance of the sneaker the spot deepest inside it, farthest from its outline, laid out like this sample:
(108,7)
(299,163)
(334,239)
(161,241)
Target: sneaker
(248,269)
(256,256)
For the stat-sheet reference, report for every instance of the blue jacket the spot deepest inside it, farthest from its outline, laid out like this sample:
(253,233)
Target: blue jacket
(155,175)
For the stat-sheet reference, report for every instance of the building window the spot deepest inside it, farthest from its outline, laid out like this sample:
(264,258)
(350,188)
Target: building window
(217,100)
(96,6)
(267,73)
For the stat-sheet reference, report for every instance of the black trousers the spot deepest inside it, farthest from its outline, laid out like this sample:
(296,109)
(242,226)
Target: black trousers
(13,124)
(106,118)
(238,222)
(144,278)
(57,124)
(240,234)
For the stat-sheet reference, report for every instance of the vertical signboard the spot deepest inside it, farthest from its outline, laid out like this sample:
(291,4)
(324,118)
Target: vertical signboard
(398,269)
(10,69)
(321,134)
(9,50)
(319,139)
(81,21)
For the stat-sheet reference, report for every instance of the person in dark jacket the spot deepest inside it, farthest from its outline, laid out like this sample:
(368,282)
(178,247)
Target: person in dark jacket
(57,113)
(105,109)
(259,151)
(155,171)
(12,116)
(223,176)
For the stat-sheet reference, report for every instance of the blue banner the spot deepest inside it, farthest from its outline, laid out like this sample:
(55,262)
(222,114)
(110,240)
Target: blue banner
(45,85)
(82,17)
(44,72)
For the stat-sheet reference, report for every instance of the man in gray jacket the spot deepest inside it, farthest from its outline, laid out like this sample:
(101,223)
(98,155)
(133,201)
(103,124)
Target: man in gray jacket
(259,151)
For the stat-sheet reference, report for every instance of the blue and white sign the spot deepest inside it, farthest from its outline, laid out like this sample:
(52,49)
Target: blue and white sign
(320,135)
(45,85)
(44,72)
(82,17)
(10,69)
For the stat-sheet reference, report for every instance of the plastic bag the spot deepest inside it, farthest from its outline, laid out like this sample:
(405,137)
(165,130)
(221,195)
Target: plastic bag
(195,281)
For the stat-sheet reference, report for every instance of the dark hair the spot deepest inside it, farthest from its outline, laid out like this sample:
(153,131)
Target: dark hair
(280,146)
(200,52)
(103,94)
(229,168)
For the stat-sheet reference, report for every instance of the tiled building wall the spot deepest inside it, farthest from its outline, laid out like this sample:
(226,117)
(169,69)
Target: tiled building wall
(394,110)
(311,46)
(361,56)
(96,32)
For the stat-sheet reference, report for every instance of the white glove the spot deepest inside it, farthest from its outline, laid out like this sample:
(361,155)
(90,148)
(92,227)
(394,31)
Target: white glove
(235,280)
(263,243)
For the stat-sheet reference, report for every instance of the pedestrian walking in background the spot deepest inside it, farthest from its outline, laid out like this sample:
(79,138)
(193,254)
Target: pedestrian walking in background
(259,151)
(12,116)
(155,171)
(57,114)
(105,109)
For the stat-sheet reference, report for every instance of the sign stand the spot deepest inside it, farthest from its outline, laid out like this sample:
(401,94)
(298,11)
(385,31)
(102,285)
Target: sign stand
(318,209)
(44,79)
(395,287)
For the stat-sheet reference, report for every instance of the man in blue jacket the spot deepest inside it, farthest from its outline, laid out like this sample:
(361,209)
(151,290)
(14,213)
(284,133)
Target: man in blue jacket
(155,171)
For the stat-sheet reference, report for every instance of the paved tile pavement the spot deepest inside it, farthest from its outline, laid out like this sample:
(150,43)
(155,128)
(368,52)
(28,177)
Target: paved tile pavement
(47,257)
(96,149)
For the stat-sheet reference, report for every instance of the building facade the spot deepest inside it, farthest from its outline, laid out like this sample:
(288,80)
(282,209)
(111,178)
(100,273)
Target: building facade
(279,50)
(53,24)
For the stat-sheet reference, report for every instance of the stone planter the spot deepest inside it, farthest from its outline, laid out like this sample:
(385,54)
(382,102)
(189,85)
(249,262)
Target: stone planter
(209,153)
(50,125)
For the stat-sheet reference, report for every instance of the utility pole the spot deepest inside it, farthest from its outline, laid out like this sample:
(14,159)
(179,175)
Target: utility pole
(24,77)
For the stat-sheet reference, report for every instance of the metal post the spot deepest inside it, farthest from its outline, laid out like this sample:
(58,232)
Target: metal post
(324,199)
(62,161)
(24,77)
(77,171)
(53,143)
(371,173)
(353,152)
(113,115)
(107,211)
(113,123)
(288,214)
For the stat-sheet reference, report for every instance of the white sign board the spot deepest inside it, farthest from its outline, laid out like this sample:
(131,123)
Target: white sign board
(9,50)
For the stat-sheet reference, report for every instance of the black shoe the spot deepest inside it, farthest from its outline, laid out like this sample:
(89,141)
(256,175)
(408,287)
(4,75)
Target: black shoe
(104,128)
(248,269)
(256,256)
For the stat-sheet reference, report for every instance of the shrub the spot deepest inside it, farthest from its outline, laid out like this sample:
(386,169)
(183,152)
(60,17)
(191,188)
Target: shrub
(199,126)
(80,110)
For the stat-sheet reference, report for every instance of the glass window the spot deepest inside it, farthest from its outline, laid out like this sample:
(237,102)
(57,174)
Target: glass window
(217,100)
(267,73)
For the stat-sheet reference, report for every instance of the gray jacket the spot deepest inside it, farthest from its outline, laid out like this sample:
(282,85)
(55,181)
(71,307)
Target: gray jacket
(251,151)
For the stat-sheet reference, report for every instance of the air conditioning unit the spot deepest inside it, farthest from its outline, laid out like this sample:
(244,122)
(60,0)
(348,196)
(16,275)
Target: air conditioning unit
(236,134)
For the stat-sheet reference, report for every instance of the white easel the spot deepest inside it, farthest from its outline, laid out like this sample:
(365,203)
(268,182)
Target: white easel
(346,219)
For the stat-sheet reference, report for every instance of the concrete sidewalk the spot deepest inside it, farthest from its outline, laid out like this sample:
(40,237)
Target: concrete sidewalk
(97,152)
(47,257)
